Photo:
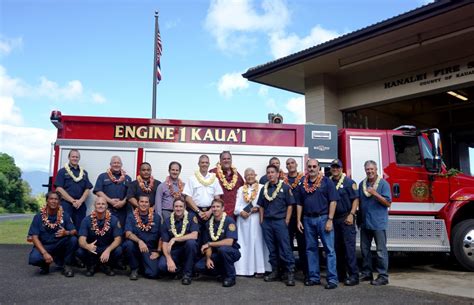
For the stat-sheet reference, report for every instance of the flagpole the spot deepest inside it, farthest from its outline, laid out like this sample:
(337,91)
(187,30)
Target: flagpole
(153,109)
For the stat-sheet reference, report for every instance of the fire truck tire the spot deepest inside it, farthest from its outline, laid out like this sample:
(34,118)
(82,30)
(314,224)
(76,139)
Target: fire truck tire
(463,243)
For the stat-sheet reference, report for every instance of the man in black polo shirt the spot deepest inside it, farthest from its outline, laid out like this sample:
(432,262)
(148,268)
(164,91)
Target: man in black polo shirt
(344,225)
(276,205)
(316,198)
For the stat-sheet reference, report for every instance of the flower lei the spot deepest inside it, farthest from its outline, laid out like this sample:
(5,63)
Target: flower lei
(340,181)
(216,236)
(95,225)
(177,194)
(112,177)
(141,183)
(205,182)
(316,184)
(249,197)
(220,174)
(140,224)
(275,192)
(69,171)
(295,183)
(183,228)
(375,186)
(47,223)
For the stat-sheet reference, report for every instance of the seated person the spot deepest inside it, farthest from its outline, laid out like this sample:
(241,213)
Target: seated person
(52,233)
(220,247)
(99,239)
(179,234)
(142,231)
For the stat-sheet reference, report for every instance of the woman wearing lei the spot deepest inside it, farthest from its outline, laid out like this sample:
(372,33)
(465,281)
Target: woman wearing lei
(254,260)
(72,182)
(99,239)
(53,237)
(220,249)
(179,235)
(142,231)
(144,185)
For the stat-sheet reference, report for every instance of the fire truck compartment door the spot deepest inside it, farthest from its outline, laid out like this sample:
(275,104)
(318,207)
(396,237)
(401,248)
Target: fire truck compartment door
(363,149)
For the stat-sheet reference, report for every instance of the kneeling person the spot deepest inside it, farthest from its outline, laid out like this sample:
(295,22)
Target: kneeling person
(142,231)
(52,233)
(179,234)
(220,247)
(99,239)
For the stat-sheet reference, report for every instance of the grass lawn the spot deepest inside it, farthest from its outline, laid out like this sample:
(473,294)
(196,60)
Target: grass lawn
(14,231)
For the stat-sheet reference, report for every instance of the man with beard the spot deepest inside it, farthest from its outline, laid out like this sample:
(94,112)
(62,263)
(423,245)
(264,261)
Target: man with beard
(229,179)
(142,232)
(53,236)
(113,185)
(179,234)
(317,199)
(144,185)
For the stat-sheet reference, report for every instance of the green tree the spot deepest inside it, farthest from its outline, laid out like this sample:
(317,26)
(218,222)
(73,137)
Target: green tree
(14,192)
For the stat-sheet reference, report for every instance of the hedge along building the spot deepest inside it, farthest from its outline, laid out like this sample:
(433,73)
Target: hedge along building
(416,68)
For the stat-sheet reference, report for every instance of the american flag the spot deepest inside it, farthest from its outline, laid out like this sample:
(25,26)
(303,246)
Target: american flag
(159,49)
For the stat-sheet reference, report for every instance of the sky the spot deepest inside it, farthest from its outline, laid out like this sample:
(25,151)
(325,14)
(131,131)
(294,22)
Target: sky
(95,58)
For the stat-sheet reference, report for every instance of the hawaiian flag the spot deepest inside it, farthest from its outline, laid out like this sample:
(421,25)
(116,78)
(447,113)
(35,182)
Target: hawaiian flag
(159,49)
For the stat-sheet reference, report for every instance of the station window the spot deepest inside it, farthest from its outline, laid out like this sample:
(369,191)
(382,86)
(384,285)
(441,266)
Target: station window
(407,150)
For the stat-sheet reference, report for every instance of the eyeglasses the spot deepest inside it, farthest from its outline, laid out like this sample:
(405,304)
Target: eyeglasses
(313,166)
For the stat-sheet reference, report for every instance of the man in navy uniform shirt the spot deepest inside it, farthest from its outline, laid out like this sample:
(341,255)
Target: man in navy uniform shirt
(142,231)
(344,225)
(375,199)
(52,233)
(273,161)
(276,205)
(179,234)
(112,185)
(144,185)
(317,199)
(72,182)
(220,247)
(99,239)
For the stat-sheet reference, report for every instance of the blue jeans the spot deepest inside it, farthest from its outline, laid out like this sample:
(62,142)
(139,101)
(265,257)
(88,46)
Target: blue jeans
(380,237)
(314,227)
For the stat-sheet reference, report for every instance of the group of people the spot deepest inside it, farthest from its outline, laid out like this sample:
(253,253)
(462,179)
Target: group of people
(217,223)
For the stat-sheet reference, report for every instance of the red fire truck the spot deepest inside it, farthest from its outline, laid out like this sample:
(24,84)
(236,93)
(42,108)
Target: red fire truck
(432,208)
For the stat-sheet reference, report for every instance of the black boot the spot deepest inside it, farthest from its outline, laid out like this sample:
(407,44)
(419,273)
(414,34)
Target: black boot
(273,276)
(290,281)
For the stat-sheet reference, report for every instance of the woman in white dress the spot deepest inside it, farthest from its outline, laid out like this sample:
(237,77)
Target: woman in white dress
(254,259)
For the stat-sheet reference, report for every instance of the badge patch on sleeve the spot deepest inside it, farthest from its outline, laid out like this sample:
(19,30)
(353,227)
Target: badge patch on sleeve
(232,227)
(354,186)
(195,219)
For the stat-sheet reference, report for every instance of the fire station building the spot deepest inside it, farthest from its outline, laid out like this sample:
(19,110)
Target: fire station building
(416,68)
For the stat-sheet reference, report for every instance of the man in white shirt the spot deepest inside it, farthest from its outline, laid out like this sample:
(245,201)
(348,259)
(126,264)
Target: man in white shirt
(200,190)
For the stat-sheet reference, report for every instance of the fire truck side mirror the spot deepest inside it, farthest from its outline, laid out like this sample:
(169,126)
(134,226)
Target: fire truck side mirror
(436,149)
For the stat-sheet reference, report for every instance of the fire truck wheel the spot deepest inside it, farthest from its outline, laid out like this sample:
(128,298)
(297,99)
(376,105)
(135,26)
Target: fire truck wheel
(463,243)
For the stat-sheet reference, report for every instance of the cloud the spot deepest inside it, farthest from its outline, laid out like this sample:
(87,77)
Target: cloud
(7,45)
(9,113)
(71,91)
(282,45)
(98,98)
(231,22)
(296,106)
(231,82)
(31,147)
